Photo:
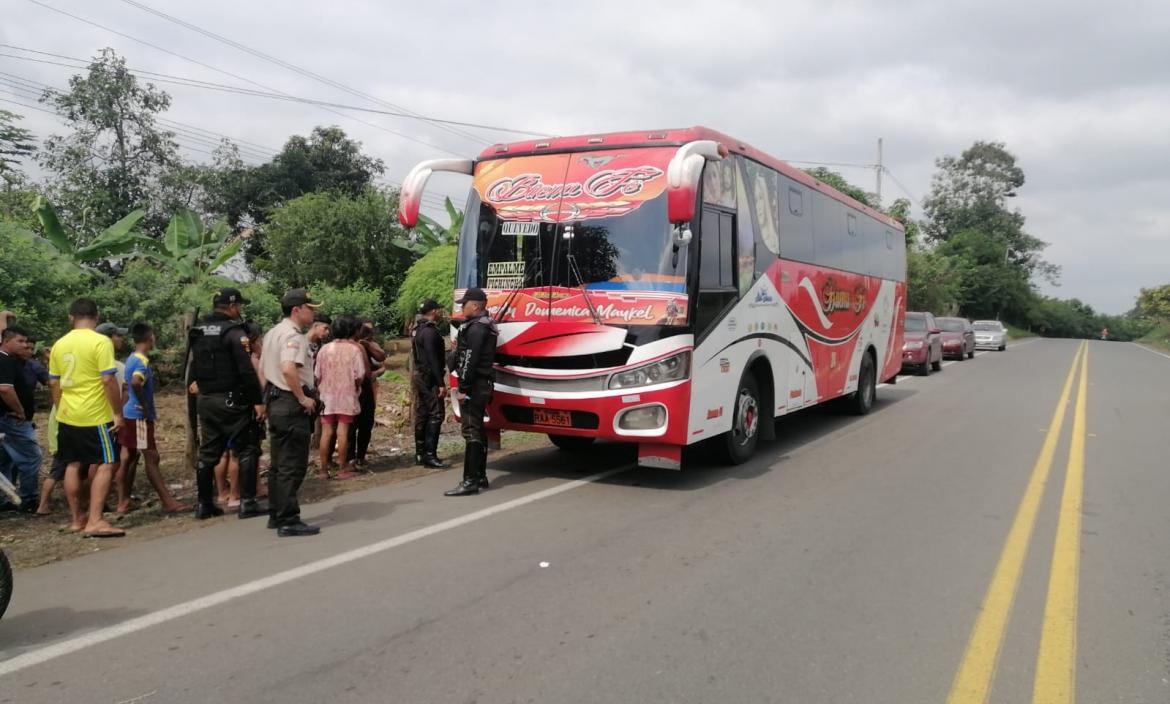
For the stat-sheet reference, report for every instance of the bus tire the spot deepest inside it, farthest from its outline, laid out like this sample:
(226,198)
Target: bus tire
(860,402)
(739,443)
(570,443)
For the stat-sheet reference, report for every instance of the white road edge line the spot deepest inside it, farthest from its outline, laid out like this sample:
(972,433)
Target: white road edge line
(1147,349)
(72,645)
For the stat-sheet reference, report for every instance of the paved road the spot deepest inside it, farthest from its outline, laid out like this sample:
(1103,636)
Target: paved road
(904,557)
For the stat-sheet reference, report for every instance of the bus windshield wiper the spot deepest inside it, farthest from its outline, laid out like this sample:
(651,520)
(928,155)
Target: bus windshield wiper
(575,271)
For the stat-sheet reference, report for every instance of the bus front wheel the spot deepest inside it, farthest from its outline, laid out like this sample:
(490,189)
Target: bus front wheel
(740,442)
(570,443)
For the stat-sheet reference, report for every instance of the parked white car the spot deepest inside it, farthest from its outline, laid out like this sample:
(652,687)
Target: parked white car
(990,334)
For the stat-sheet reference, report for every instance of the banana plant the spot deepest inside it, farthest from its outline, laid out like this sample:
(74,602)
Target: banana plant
(191,249)
(429,234)
(115,242)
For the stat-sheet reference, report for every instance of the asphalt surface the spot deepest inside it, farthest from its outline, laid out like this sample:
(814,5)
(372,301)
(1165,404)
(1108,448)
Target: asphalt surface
(853,560)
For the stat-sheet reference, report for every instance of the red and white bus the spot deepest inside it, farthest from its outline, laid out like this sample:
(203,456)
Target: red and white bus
(666,288)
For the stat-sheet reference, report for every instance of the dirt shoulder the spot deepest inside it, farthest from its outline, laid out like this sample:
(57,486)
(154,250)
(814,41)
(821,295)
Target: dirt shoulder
(31,541)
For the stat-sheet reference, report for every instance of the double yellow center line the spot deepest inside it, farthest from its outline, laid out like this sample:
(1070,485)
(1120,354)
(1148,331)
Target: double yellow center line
(1056,662)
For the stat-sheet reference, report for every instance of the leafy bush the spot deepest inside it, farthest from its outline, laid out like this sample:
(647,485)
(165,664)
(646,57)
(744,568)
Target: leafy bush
(357,299)
(433,276)
(36,285)
(335,239)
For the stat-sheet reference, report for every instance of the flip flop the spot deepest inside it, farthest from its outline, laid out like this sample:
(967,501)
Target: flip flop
(175,512)
(104,534)
(342,476)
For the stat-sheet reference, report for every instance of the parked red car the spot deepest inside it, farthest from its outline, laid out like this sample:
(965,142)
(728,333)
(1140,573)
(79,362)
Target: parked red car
(922,349)
(958,338)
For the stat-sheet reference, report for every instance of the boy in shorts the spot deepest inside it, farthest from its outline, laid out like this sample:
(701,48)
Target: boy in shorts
(137,435)
(89,414)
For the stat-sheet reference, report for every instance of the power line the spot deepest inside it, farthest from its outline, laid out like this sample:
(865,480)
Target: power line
(830,163)
(236,76)
(301,71)
(905,190)
(209,85)
(36,90)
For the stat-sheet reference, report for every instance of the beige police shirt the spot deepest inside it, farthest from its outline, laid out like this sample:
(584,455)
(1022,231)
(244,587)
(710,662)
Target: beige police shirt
(285,343)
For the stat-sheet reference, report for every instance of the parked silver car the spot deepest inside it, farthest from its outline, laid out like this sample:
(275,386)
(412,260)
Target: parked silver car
(990,334)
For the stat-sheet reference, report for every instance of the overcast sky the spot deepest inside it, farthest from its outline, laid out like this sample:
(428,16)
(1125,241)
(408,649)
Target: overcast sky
(1079,91)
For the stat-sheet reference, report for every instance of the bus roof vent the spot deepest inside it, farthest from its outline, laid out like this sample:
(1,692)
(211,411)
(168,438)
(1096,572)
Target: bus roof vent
(595,140)
(501,148)
(542,145)
(656,135)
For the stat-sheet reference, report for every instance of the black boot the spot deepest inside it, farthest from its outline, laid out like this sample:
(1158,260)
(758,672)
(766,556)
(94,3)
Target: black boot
(480,462)
(249,506)
(432,449)
(470,484)
(420,447)
(204,483)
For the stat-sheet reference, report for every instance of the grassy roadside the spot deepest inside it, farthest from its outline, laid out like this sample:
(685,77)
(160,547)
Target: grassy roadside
(1019,333)
(1158,338)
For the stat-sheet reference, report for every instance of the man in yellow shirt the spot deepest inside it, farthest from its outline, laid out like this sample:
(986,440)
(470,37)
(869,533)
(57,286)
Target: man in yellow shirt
(83,379)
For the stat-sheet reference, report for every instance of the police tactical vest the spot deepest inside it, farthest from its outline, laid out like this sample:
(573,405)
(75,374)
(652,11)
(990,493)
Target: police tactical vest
(484,369)
(212,364)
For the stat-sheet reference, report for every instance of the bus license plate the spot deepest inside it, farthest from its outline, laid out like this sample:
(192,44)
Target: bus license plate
(561,419)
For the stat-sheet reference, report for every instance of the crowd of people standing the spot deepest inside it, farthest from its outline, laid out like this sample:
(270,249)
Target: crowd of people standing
(308,383)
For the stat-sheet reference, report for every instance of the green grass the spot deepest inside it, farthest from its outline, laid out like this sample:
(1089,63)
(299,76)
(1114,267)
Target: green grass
(1018,333)
(1158,337)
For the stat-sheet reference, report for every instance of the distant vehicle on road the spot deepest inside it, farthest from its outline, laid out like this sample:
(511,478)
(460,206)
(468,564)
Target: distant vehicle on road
(922,349)
(958,338)
(990,334)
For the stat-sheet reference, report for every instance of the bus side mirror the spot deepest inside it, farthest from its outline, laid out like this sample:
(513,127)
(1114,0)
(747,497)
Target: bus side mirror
(410,198)
(682,177)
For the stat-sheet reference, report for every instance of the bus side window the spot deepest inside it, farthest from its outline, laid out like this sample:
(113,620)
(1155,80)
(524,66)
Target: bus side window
(796,233)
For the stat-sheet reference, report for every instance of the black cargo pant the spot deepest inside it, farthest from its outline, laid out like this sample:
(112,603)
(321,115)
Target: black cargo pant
(362,428)
(428,410)
(289,430)
(223,420)
(472,409)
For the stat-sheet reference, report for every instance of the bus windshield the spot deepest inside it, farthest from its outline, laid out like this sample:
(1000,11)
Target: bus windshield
(630,252)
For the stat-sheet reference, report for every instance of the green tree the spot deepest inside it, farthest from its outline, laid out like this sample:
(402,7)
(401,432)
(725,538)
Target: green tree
(968,218)
(16,144)
(115,155)
(325,160)
(1154,303)
(35,284)
(931,281)
(433,276)
(429,234)
(359,299)
(837,181)
(336,239)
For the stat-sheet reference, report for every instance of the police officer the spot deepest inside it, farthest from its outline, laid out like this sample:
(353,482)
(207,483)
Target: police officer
(292,406)
(229,405)
(475,352)
(428,384)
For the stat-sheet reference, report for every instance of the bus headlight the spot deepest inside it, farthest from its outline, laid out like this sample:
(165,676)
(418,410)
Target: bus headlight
(672,368)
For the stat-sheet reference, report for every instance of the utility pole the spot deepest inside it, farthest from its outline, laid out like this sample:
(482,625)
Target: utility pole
(878,170)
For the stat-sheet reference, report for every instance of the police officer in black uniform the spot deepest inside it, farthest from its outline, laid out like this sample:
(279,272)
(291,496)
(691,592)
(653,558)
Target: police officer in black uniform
(230,404)
(428,384)
(475,351)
